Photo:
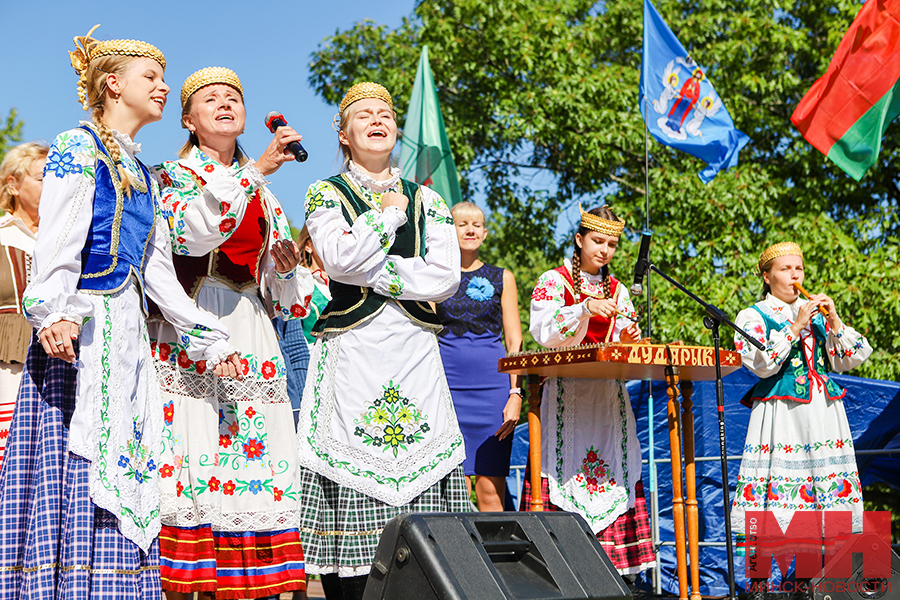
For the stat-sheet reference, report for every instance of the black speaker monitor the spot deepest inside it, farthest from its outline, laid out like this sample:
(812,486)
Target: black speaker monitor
(492,556)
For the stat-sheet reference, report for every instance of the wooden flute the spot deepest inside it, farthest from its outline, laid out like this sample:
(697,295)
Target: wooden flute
(800,289)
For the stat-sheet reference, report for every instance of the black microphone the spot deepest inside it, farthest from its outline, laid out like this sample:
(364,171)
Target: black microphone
(643,262)
(274,120)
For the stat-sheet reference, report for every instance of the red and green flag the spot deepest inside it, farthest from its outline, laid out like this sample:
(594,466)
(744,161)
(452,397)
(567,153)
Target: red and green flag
(425,155)
(846,112)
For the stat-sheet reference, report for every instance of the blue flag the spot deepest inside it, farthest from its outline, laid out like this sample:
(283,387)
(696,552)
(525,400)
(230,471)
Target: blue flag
(678,103)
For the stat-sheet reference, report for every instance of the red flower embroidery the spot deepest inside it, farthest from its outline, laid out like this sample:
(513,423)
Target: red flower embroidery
(278,211)
(167,181)
(178,488)
(209,168)
(540,294)
(808,493)
(268,369)
(845,489)
(592,456)
(164,352)
(169,412)
(180,239)
(245,182)
(214,484)
(228,488)
(225,206)
(278,494)
(183,361)
(175,206)
(224,440)
(245,366)
(250,412)
(839,444)
(748,493)
(254,449)
(788,449)
(227,225)
(233,428)
(201,367)
(298,312)
(166,470)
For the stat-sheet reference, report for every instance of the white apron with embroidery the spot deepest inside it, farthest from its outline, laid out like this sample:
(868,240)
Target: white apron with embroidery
(797,456)
(378,416)
(590,453)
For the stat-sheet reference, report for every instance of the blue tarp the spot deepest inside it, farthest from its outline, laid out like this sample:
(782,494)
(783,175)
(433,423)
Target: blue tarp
(873,409)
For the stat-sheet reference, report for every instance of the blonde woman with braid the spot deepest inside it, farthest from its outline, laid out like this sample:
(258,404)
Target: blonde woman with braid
(591,457)
(79,488)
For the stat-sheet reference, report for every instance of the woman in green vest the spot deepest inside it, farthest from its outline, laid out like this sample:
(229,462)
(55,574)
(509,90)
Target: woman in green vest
(378,435)
(799,451)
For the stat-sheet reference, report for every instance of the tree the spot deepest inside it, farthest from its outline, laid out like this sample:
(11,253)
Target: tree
(541,106)
(10,133)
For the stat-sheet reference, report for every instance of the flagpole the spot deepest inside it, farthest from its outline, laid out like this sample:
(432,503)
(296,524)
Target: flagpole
(654,492)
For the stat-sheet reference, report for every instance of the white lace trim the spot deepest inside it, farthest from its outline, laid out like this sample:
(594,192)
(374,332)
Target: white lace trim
(54,318)
(124,139)
(209,385)
(202,514)
(218,353)
(341,571)
(364,180)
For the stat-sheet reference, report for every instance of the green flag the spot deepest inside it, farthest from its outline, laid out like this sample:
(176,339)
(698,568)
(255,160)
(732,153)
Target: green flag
(425,155)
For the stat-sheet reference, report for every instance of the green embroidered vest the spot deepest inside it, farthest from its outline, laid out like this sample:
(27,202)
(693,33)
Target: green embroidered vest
(352,305)
(794,380)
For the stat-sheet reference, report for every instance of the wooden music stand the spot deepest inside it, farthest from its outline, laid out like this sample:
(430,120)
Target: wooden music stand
(673,363)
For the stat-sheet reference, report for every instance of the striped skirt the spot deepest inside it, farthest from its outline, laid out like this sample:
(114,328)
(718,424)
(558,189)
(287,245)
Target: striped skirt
(54,542)
(627,542)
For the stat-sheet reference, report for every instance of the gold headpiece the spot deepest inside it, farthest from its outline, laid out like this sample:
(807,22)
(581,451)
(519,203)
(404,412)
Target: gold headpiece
(601,225)
(366,89)
(88,49)
(776,250)
(209,76)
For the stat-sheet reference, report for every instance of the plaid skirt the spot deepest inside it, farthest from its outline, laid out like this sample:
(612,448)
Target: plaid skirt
(341,527)
(628,541)
(54,542)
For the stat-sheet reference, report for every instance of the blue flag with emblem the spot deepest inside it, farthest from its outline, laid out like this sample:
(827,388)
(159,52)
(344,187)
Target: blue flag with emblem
(678,102)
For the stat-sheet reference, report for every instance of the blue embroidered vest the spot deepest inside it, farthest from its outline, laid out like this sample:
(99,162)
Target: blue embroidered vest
(794,380)
(352,305)
(120,232)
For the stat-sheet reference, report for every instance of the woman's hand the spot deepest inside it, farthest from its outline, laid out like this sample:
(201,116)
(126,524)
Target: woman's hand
(510,416)
(631,334)
(394,199)
(804,316)
(230,367)
(828,304)
(57,340)
(277,153)
(601,308)
(286,255)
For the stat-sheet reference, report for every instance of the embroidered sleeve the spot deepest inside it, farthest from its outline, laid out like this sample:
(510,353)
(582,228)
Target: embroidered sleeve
(764,363)
(204,202)
(202,335)
(553,324)
(66,212)
(847,349)
(287,295)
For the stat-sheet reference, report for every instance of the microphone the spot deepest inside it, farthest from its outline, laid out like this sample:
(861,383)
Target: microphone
(643,262)
(274,120)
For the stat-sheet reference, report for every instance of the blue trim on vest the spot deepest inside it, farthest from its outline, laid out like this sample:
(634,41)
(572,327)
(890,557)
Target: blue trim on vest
(120,231)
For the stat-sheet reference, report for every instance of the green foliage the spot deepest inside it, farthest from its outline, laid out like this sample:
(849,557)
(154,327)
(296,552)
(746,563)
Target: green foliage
(10,133)
(541,100)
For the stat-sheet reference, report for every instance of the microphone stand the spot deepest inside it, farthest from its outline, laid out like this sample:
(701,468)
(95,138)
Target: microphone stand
(713,318)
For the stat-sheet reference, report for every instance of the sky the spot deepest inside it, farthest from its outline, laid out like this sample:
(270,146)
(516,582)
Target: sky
(268,44)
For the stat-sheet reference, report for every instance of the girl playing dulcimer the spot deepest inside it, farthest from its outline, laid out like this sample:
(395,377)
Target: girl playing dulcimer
(799,450)
(591,457)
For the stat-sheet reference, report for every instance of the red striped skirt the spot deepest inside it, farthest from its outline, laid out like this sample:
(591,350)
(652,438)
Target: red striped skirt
(627,541)
(231,565)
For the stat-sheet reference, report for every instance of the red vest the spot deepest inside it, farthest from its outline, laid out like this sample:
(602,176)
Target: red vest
(600,329)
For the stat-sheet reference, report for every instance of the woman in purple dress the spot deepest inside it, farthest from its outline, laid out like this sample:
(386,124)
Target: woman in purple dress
(485,305)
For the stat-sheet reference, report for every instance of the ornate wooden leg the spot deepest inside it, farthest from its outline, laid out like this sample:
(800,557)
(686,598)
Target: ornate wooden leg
(690,482)
(534,441)
(677,499)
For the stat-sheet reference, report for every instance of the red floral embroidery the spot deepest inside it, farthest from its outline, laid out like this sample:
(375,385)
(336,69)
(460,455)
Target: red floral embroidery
(268,369)
(846,488)
(224,440)
(298,311)
(245,366)
(808,493)
(748,493)
(254,449)
(178,488)
(183,361)
(250,412)
(201,367)
(245,182)
(225,206)
(166,470)
(788,449)
(228,488)
(227,225)
(233,428)
(214,484)
(278,494)
(209,168)
(839,443)
(168,412)
(164,352)
(166,180)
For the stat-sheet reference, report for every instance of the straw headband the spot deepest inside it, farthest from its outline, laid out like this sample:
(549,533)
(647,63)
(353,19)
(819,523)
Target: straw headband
(209,76)
(601,225)
(362,91)
(88,49)
(776,250)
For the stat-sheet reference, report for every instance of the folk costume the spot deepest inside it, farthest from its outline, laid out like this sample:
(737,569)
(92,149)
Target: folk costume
(230,504)
(16,248)
(79,488)
(470,348)
(799,450)
(378,434)
(590,453)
